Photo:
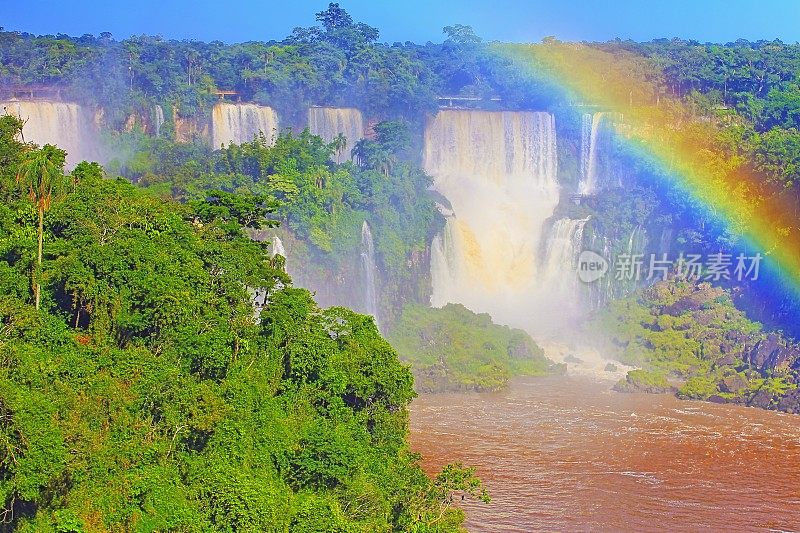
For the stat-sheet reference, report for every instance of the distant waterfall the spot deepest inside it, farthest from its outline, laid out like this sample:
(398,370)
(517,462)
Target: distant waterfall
(665,242)
(369,271)
(277,247)
(564,246)
(613,284)
(158,119)
(587,129)
(63,124)
(498,171)
(596,134)
(240,123)
(637,241)
(329,122)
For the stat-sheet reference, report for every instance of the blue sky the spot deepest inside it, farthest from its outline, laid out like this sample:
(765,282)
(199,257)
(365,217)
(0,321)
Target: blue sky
(417,20)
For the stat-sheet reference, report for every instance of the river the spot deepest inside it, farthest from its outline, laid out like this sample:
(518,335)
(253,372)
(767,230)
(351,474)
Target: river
(567,453)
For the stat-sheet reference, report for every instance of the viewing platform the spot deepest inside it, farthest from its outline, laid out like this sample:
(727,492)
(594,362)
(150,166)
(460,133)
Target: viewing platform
(31,92)
(463,102)
(222,94)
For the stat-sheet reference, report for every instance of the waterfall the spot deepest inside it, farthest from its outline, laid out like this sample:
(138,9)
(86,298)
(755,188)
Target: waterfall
(369,271)
(329,122)
(240,123)
(564,246)
(158,119)
(65,125)
(498,171)
(587,123)
(277,247)
(596,135)
(665,242)
(637,240)
(614,284)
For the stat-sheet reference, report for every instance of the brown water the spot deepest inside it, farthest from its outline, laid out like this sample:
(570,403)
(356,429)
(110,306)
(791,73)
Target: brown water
(568,454)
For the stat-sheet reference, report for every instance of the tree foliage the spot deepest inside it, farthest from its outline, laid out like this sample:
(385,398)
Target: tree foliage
(147,394)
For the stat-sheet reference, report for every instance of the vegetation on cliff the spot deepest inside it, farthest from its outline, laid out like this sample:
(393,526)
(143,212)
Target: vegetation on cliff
(690,338)
(321,202)
(452,348)
(147,393)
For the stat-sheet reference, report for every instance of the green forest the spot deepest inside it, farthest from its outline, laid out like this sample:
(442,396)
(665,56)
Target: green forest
(142,390)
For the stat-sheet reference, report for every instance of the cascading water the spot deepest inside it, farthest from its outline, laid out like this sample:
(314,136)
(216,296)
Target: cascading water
(240,123)
(596,133)
(620,280)
(559,273)
(587,121)
(65,125)
(665,242)
(369,271)
(329,122)
(498,171)
(158,119)
(277,247)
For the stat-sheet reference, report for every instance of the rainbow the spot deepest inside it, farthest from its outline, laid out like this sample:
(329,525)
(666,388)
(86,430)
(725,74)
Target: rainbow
(696,156)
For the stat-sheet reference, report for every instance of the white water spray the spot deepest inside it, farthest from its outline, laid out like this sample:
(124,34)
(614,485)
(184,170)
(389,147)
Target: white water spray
(498,171)
(240,123)
(63,124)
(369,271)
(329,122)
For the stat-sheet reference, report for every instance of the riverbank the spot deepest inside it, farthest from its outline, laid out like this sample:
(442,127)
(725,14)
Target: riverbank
(689,339)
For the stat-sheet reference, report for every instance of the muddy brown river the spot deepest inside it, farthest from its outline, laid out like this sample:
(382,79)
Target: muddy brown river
(568,454)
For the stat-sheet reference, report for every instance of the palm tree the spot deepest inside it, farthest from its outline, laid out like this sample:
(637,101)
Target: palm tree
(359,152)
(339,145)
(42,174)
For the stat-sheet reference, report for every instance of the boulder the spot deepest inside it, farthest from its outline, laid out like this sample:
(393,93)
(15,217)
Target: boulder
(636,381)
(732,384)
(773,352)
(790,403)
(761,399)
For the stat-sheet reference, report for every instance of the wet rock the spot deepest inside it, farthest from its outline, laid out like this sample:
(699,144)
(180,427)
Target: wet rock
(694,301)
(790,403)
(716,398)
(732,384)
(611,367)
(727,360)
(773,352)
(764,351)
(761,399)
(642,382)
(572,359)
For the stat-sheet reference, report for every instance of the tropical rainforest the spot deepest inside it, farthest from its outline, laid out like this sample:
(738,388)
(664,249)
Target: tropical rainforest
(141,392)
(143,386)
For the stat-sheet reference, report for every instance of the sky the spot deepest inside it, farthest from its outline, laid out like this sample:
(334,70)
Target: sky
(417,20)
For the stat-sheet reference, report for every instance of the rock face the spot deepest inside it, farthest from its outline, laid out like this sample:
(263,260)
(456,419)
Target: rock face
(647,382)
(732,384)
(773,352)
(790,403)
(693,334)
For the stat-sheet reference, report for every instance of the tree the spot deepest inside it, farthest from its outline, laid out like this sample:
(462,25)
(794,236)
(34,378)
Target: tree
(461,35)
(42,174)
(334,18)
(339,145)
